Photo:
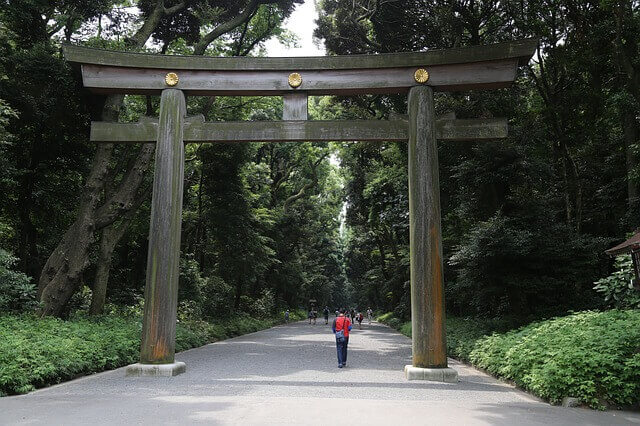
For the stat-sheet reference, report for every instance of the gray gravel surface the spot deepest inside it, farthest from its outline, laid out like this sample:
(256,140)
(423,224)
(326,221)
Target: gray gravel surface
(289,375)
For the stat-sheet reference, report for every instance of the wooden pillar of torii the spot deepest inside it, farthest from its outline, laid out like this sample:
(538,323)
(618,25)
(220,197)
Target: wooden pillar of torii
(417,73)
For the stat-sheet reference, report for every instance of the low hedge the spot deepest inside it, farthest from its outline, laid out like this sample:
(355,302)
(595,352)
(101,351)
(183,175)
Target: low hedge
(593,356)
(36,352)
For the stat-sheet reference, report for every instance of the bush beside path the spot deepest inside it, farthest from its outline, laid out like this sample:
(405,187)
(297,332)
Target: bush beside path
(593,356)
(37,352)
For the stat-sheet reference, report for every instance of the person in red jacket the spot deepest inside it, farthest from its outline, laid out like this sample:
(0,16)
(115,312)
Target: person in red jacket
(341,326)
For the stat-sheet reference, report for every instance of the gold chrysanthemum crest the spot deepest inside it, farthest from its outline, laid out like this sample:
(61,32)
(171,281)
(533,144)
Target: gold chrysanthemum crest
(421,75)
(171,79)
(295,79)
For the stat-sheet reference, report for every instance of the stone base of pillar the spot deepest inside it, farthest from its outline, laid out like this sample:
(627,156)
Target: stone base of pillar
(448,375)
(156,370)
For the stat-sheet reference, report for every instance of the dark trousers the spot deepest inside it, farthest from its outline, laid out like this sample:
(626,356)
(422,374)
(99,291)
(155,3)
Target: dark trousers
(342,350)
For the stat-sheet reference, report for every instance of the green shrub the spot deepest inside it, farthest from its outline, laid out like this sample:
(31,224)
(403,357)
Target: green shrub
(191,281)
(406,329)
(17,292)
(262,307)
(218,298)
(616,288)
(593,356)
(36,352)
(462,333)
(384,318)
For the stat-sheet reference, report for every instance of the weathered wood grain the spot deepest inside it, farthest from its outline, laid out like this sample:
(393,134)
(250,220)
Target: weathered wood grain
(448,77)
(295,106)
(103,131)
(296,131)
(425,238)
(161,290)
(518,49)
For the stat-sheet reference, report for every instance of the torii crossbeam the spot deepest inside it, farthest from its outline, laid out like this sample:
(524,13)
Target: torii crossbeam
(418,73)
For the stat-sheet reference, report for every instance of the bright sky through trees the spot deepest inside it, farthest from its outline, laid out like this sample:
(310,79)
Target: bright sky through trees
(301,23)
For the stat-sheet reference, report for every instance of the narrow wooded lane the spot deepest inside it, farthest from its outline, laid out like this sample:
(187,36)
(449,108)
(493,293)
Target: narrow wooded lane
(289,375)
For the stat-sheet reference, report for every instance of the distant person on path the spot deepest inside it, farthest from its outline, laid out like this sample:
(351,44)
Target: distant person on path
(359,318)
(310,315)
(369,314)
(353,315)
(286,316)
(341,327)
(326,315)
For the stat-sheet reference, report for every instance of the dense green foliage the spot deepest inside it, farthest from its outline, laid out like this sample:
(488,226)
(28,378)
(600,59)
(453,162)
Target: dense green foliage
(593,356)
(260,221)
(462,332)
(17,292)
(617,288)
(525,220)
(39,352)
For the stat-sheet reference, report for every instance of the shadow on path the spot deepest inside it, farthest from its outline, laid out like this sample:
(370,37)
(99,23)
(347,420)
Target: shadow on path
(288,375)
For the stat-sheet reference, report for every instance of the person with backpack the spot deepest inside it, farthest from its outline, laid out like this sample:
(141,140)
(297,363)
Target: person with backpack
(341,327)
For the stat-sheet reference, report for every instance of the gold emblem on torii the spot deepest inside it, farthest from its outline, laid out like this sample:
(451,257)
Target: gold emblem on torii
(171,79)
(421,75)
(295,80)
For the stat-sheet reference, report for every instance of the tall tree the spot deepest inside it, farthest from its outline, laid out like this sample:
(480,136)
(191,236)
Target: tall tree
(63,270)
(489,190)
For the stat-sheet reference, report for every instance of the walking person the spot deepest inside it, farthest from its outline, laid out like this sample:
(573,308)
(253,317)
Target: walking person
(359,318)
(286,316)
(341,327)
(369,314)
(326,315)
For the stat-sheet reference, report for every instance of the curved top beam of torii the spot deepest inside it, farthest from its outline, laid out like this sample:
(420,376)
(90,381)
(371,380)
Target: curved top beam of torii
(475,67)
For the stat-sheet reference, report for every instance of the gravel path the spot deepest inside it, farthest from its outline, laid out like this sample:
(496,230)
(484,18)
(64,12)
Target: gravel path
(289,375)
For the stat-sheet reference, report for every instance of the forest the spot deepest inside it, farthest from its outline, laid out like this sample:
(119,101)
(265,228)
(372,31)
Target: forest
(525,222)
(269,226)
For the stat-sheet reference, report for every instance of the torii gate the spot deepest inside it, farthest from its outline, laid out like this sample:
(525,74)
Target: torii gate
(418,73)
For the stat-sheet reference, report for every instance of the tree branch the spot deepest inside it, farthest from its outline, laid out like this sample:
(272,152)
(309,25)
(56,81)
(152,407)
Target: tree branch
(307,186)
(225,27)
(122,199)
(173,9)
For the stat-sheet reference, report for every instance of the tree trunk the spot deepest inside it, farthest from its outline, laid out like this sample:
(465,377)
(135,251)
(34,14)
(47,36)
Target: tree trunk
(60,275)
(109,239)
(108,242)
(64,267)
